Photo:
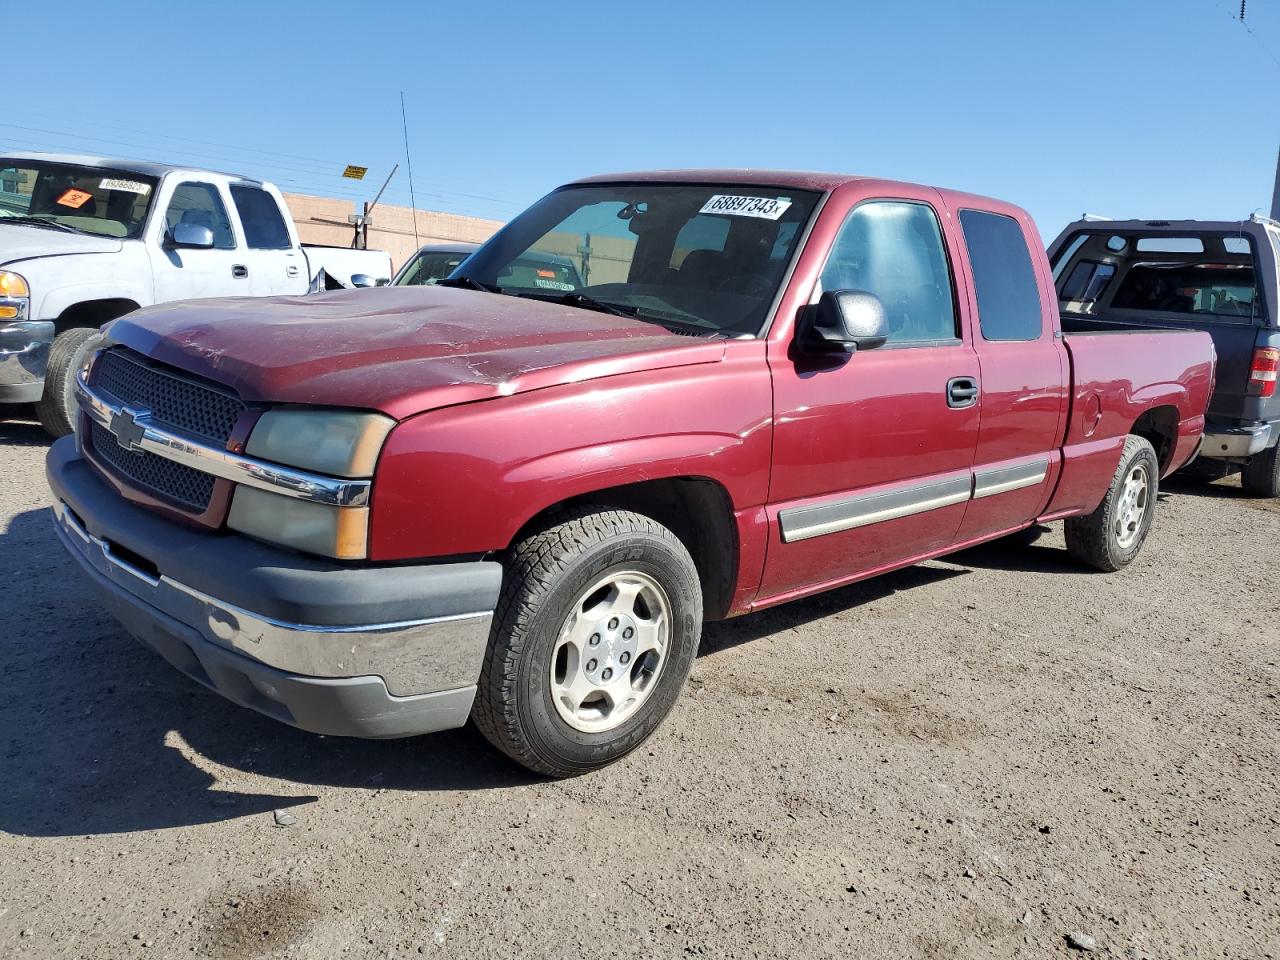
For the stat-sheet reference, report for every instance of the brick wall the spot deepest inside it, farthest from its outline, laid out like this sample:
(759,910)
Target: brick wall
(323,220)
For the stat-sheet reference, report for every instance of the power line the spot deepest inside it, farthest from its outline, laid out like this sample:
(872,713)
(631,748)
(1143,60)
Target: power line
(320,164)
(297,181)
(1248,29)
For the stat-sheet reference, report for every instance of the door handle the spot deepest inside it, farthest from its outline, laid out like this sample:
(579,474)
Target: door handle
(239,271)
(962,392)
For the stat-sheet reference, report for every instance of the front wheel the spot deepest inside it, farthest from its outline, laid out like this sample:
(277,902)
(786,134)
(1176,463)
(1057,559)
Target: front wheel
(1112,536)
(593,638)
(70,354)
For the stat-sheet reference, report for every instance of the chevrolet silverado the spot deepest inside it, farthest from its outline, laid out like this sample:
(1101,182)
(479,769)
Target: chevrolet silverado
(382,513)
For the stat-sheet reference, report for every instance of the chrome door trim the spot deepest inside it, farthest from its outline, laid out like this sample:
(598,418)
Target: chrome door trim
(988,483)
(802,523)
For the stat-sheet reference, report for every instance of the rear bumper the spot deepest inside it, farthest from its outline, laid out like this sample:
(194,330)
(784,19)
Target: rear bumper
(1223,442)
(24,356)
(345,651)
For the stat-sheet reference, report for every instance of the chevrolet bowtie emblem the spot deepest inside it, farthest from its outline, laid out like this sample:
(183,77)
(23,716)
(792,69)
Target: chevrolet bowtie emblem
(129,426)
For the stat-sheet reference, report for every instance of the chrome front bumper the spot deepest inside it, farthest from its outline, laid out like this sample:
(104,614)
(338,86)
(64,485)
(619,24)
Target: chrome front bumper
(387,678)
(24,356)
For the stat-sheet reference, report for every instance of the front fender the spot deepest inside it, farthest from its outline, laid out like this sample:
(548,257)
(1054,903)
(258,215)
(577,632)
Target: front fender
(466,479)
(61,282)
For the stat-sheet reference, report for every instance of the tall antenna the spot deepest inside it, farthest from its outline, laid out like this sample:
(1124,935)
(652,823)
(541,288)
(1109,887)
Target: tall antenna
(409,163)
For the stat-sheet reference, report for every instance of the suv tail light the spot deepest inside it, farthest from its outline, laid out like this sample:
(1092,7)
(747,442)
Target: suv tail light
(1262,374)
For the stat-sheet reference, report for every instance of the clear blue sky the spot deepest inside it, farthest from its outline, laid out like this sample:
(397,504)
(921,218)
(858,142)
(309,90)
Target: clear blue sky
(1118,107)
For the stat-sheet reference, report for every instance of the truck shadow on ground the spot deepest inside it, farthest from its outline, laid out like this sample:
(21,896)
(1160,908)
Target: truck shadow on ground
(100,735)
(19,428)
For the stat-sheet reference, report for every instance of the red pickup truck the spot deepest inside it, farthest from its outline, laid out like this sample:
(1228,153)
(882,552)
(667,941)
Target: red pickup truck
(515,498)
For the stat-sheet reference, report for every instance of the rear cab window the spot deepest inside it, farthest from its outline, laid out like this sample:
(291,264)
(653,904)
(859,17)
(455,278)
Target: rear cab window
(1004,277)
(264,226)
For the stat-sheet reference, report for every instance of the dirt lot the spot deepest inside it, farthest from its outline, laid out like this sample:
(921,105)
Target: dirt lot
(973,758)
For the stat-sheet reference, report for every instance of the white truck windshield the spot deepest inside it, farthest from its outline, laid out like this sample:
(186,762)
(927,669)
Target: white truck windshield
(109,203)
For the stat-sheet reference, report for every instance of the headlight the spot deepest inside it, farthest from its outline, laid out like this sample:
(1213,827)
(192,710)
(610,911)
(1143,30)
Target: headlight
(336,443)
(15,297)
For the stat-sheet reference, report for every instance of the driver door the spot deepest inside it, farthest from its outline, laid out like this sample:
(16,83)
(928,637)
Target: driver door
(873,451)
(186,274)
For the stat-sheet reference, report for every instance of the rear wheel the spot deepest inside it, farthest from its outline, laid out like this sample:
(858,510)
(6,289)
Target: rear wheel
(70,354)
(1261,476)
(593,639)
(1113,535)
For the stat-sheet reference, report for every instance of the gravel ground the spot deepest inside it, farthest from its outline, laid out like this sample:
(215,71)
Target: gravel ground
(973,758)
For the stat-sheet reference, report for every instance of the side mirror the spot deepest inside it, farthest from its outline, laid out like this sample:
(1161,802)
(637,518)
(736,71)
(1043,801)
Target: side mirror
(846,321)
(362,280)
(191,236)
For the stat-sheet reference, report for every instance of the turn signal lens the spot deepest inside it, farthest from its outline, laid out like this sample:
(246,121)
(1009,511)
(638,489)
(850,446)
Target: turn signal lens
(1262,374)
(12,285)
(8,313)
(339,532)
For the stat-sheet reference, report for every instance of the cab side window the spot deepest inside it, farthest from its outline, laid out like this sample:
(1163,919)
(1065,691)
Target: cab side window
(199,203)
(1009,305)
(894,249)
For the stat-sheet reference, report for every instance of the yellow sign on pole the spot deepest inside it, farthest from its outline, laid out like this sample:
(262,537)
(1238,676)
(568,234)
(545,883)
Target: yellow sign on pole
(354,172)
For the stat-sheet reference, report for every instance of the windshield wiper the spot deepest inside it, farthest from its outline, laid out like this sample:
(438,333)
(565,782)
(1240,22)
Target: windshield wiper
(468,283)
(45,222)
(621,310)
(590,303)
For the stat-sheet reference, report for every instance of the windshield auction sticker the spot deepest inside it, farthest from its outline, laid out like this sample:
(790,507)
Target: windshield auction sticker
(766,208)
(126,186)
(75,199)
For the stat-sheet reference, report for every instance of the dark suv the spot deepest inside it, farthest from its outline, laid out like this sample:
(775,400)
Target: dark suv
(1216,276)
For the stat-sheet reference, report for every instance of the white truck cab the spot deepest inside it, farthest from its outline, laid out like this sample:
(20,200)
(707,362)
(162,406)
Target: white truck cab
(84,240)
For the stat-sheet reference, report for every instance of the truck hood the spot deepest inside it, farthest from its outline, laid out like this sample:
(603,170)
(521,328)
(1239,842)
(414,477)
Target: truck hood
(399,350)
(19,241)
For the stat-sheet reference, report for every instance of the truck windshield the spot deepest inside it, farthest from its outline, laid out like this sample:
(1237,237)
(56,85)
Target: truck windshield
(690,256)
(109,203)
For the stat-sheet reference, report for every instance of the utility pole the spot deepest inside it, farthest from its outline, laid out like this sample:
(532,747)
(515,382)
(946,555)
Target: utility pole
(1275,194)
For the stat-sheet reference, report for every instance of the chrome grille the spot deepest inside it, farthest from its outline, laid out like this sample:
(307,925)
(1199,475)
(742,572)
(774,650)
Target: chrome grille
(183,404)
(172,481)
(173,401)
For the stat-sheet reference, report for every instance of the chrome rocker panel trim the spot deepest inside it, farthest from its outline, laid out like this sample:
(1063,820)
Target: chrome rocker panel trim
(802,523)
(239,468)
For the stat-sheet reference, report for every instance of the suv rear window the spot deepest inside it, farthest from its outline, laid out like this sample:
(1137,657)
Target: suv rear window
(1191,288)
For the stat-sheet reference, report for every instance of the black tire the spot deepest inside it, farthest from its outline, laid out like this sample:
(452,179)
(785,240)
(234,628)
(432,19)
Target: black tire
(56,410)
(1261,476)
(1093,539)
(546,573)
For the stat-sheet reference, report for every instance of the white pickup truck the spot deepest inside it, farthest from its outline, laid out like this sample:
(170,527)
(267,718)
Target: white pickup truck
(84,240)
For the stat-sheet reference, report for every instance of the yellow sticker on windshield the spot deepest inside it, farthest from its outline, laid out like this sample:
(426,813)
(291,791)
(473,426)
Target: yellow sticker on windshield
(75,199)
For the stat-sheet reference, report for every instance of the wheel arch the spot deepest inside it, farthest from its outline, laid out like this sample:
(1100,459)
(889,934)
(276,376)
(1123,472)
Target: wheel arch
(698,510)
(93,313)
(1159,427)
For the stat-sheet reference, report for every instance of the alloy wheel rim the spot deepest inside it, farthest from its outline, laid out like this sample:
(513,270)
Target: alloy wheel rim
(1131,508)
(610,651)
